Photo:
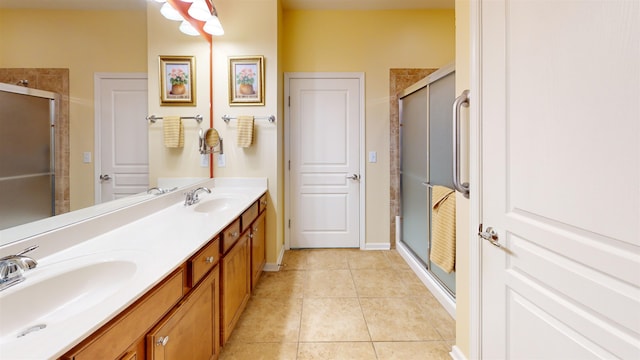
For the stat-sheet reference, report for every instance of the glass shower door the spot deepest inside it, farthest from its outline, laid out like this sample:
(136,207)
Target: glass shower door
(426,160)
(414,152)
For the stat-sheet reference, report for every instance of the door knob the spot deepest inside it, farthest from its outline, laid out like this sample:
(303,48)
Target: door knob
(163,340)
(354,177)
(105,177)
(491,235)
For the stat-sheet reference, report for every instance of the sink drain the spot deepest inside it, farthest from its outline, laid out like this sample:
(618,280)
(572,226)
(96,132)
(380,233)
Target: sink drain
(31,329)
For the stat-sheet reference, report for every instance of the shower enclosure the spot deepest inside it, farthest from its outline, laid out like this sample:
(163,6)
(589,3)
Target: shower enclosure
(426,158)
(27,181)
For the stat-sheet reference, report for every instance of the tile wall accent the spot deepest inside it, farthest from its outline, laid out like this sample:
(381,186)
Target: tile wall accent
(54,80)
(399,79)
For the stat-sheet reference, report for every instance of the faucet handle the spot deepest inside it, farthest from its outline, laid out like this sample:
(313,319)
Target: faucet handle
(30,248)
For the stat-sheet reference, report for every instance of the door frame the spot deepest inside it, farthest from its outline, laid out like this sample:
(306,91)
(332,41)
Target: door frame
(287,149)
(475,185)
(97,142)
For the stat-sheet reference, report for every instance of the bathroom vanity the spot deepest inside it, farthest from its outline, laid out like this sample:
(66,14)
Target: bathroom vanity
(176,281)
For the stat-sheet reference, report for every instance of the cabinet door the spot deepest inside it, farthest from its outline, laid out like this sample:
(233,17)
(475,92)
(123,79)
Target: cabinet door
(236,284)
(191,330)
(258,256)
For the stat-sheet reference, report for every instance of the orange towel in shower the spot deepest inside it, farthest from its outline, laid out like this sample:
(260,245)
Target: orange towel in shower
(443,228)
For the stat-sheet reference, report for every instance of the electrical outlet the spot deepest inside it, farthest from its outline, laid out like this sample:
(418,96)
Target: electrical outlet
(221,160)
(204,160)
(86,157)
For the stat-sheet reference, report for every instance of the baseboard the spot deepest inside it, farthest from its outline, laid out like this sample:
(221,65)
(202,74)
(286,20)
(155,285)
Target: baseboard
(276,266)
(456,353)
(377,246)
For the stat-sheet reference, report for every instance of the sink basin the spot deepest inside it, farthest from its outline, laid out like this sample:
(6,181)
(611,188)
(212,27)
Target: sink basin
(38,302)
(217,203)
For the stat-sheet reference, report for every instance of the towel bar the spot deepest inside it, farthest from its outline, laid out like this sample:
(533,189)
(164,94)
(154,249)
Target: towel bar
(153,118)
(270,118)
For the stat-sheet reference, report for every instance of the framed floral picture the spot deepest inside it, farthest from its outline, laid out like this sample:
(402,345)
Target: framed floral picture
(246,80)
(177,81)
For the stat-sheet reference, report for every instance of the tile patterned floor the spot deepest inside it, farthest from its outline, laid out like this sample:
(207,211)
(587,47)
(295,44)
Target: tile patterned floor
(341,304)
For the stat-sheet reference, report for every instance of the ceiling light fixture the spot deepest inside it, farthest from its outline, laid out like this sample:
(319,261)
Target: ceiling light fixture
(170,13)
(213,26)
(199,10)
(188,29)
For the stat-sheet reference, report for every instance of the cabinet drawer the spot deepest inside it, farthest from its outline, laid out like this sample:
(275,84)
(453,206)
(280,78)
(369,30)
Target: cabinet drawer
(114,338)
(249,215)
(230,235)
(204,261)
(262,203)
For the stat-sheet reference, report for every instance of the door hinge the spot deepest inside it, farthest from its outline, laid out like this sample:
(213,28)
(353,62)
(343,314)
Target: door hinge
(289,165)
(289,101)
(289,223)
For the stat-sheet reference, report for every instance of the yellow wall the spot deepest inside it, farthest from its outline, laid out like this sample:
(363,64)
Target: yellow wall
(164,38)
(371,42)
(85,42)
(463,81)
(251,28)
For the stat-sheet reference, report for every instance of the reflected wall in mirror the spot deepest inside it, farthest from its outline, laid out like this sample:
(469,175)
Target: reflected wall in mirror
(86,40)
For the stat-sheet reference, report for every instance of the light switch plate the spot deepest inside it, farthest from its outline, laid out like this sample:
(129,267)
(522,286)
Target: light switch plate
(373,156)
(86,157)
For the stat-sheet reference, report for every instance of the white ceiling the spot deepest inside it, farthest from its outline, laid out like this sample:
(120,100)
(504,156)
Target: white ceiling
(288,4)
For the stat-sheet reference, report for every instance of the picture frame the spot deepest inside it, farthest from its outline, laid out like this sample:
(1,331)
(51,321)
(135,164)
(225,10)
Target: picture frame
(246,80)
(177,80)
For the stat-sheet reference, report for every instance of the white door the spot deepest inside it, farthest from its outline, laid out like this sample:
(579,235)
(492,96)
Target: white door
(560,122)
(122,160)
(325,117)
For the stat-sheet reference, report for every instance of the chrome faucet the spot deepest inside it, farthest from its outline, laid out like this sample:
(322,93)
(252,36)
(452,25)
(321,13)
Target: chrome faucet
(12,267)
(192,196)
(160,190)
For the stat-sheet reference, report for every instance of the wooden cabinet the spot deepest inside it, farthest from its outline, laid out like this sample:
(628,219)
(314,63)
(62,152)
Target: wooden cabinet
(119,338)
(236,284)
(191,330)
(258,249)
(203,261)
(193,311)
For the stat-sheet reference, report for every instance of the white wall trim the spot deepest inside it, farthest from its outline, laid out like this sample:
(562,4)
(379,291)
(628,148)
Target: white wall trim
(475,185)
(456,353)
(287,148)
(278,265)
(427,279)
(97,141)
(377,246)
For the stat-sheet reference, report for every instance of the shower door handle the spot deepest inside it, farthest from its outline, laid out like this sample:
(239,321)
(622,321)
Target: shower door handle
(461,100)
(105,177)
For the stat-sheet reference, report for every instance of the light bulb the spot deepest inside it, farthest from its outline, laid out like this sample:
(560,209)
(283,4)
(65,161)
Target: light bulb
(199,10)
(213,26)
(170,13)
(188,29)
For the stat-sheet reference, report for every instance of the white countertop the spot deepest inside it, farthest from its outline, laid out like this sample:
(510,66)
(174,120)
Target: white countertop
(157,242)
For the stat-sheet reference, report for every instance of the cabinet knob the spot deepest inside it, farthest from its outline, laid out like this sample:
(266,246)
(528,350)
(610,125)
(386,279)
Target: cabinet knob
(235,234)
(263,202)
(255,228)
(209,260)
(162,340)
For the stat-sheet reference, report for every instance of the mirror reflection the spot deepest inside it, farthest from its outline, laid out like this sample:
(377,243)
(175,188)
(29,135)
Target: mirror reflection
(78,49)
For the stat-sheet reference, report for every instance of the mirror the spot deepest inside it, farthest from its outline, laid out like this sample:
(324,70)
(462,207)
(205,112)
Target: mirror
(37,30)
